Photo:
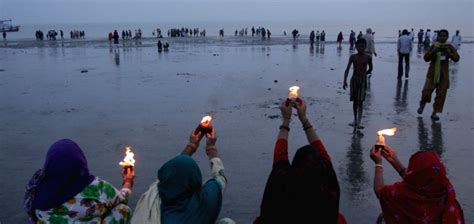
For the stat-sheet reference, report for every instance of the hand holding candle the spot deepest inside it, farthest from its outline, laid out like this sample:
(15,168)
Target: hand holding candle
(205,127)
(128,162)
(380,140)
(293,95)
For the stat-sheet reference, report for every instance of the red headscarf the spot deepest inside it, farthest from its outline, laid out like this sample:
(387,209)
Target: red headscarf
(424,196)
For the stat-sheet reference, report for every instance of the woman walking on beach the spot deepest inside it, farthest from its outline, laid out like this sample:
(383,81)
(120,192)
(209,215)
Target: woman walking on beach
(437,77)
(179,196)
(425,194)
(307,190)
(64,191)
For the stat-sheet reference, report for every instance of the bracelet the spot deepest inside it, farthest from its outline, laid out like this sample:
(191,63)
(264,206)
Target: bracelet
(192,146)
(378,165)
(211,147)
(308,127)
(284,127)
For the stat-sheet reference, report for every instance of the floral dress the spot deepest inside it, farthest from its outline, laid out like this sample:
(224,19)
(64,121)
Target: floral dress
(98,203)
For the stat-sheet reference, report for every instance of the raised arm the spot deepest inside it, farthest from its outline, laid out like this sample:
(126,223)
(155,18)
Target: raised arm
(376,156)
(217,167)
(192,146)
(389,154)
(281,147)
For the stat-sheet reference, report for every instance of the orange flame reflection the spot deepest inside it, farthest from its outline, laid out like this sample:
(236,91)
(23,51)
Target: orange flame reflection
(128,160)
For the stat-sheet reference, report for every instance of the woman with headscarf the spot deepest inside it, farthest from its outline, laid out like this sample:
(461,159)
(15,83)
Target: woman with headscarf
(64,191)
(179,196)
(307,190)
(425,195)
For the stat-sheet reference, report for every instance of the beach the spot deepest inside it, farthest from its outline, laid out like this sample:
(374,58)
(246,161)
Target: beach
(104,100)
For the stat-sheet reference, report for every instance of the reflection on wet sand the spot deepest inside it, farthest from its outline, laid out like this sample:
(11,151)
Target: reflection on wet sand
(356,175)
(436,141)
(400,102)
(117,58)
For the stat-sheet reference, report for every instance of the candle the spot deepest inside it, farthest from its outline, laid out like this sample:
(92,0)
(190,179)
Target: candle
(128,160)
(205,126)
(293,94)
(380,140)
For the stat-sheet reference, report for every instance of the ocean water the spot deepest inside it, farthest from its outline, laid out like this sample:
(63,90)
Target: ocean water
(383,32)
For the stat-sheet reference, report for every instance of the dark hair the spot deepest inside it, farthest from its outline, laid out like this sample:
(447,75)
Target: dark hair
(361,41)
(444,31)
(405,32)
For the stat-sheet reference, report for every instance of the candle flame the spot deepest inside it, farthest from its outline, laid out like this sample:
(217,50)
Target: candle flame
(206,121)
(128,160)
(389,132)
(293,92)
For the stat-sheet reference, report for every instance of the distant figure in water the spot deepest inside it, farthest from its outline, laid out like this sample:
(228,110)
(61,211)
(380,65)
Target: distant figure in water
(456,41)
(111,36)
(269,33)
(305,190)
(295,34)
(160,46)
(61,33)
(369,38)
(339,39)
(437,78)
(358,84)
(4,34)
(64,186)
(420,37)
(166,46)
(323,38)
(352,39)
(423,195)
(359,35)
(116,40)
(311,38)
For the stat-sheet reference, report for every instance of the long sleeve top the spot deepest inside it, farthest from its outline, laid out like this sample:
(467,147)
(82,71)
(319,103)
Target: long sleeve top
(404,44)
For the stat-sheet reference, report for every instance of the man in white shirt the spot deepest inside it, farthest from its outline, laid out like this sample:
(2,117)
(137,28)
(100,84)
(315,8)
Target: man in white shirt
(369,38)
(404,47)
(456,40)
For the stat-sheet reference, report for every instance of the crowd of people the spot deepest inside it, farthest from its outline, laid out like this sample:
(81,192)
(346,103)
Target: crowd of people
(186,32)
(76,34)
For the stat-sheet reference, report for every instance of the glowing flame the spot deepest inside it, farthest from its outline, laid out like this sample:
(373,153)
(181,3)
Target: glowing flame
(206,121)
(293,92)
(128,160)
(389,132)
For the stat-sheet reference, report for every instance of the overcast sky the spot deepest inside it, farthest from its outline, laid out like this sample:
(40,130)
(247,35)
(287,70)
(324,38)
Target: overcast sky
(426,12)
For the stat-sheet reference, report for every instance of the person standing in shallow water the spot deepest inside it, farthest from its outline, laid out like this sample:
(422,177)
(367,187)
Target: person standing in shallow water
(307,190)
(4,34)
(437,77)
(404,48)
(358,86)
(339,39)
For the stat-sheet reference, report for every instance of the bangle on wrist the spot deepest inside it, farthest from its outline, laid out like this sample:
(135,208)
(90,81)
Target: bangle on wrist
(308,127)
(378,165)
(192,146)
(285,127)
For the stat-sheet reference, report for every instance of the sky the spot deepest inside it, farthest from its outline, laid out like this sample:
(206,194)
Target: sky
(423,12)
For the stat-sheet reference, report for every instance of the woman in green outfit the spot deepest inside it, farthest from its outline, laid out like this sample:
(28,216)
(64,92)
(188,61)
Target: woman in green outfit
(65,192)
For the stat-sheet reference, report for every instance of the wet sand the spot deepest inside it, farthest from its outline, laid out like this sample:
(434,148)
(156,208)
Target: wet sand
(152,102)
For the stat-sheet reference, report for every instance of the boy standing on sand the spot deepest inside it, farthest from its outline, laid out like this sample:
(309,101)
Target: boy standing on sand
(358,84)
